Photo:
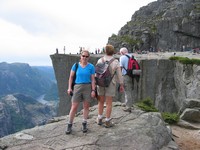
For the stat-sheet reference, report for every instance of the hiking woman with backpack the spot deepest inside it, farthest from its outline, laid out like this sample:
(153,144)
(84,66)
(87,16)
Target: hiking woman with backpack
(83,91)
(108,92)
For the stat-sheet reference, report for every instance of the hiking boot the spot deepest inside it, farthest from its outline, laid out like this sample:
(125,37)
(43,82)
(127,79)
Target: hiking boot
(127,109)
(108,124)
(99,121)
(84,127)
(69,128)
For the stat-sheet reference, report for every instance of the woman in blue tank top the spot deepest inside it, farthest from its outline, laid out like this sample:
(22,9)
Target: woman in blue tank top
(84,89)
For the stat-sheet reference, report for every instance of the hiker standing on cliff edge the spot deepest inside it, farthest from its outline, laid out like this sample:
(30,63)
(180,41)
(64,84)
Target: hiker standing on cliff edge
(127,79)
(107,93)
(84,89)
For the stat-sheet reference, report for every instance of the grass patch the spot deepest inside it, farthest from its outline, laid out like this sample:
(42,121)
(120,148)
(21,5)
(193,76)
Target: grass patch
(171,118)
(147,105)
(186,60)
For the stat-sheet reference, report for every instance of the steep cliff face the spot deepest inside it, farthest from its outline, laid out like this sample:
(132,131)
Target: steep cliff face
(167,82)
(163,25)
(62,65)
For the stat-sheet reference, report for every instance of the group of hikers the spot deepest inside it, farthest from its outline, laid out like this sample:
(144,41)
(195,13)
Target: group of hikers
(85,87)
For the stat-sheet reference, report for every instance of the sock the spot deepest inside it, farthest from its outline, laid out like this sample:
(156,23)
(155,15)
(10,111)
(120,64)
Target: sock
(70,122)
(100,116)
(84,120)
(107,119)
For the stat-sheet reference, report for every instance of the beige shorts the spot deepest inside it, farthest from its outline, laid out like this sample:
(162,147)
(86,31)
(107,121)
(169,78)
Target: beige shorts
(82,92)
(107,91)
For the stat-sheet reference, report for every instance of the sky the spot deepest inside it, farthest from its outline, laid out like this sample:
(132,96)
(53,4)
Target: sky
(31,30)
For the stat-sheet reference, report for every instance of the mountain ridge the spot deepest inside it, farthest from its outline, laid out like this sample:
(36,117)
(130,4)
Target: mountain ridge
(162,25)
(28,80)
(20,86)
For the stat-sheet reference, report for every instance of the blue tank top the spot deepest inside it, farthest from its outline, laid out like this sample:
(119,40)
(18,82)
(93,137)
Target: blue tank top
(83,75)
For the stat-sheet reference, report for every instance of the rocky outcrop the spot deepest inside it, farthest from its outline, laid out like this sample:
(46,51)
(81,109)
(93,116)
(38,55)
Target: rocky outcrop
(190,110)
(168,83)
(137,130)
(163,25)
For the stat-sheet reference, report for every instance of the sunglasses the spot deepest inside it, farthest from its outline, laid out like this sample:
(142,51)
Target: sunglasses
(85,56)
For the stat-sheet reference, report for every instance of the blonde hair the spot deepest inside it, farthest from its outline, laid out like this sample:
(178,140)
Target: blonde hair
(109,49)
(85,51)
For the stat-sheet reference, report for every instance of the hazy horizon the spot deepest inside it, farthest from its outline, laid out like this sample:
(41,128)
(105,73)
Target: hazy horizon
(32,30)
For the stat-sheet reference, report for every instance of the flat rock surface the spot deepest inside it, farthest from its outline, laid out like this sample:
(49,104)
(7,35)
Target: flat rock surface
(159,55)
(137,130)
(166,55)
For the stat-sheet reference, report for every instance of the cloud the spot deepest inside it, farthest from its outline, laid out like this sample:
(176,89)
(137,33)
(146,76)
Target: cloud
(33,29)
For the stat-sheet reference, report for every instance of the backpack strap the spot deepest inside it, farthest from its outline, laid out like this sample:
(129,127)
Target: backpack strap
(130,56)
(109,66)
(76,67)
(128,60)
(73,81)
(109,62)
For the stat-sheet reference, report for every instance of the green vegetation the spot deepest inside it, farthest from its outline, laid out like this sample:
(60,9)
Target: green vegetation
(186,60)
(197,7)
(147,105)
(128,40)
(153,28)
(113,36)
(171,118)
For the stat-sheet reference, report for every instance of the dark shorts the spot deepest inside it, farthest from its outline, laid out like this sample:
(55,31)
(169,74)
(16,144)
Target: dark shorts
(82,92)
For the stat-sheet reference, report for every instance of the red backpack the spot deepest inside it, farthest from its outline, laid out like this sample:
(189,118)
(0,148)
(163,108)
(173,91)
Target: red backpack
(133,70)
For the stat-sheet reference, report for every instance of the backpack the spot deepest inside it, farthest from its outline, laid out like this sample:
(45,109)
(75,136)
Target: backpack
(73,82)
(133,70)
(103,75)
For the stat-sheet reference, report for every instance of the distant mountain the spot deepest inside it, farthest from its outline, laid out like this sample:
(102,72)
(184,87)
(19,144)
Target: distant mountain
(46,71)
(20,112)
(21,86)
(162,25)
(52,93)
(22,78)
